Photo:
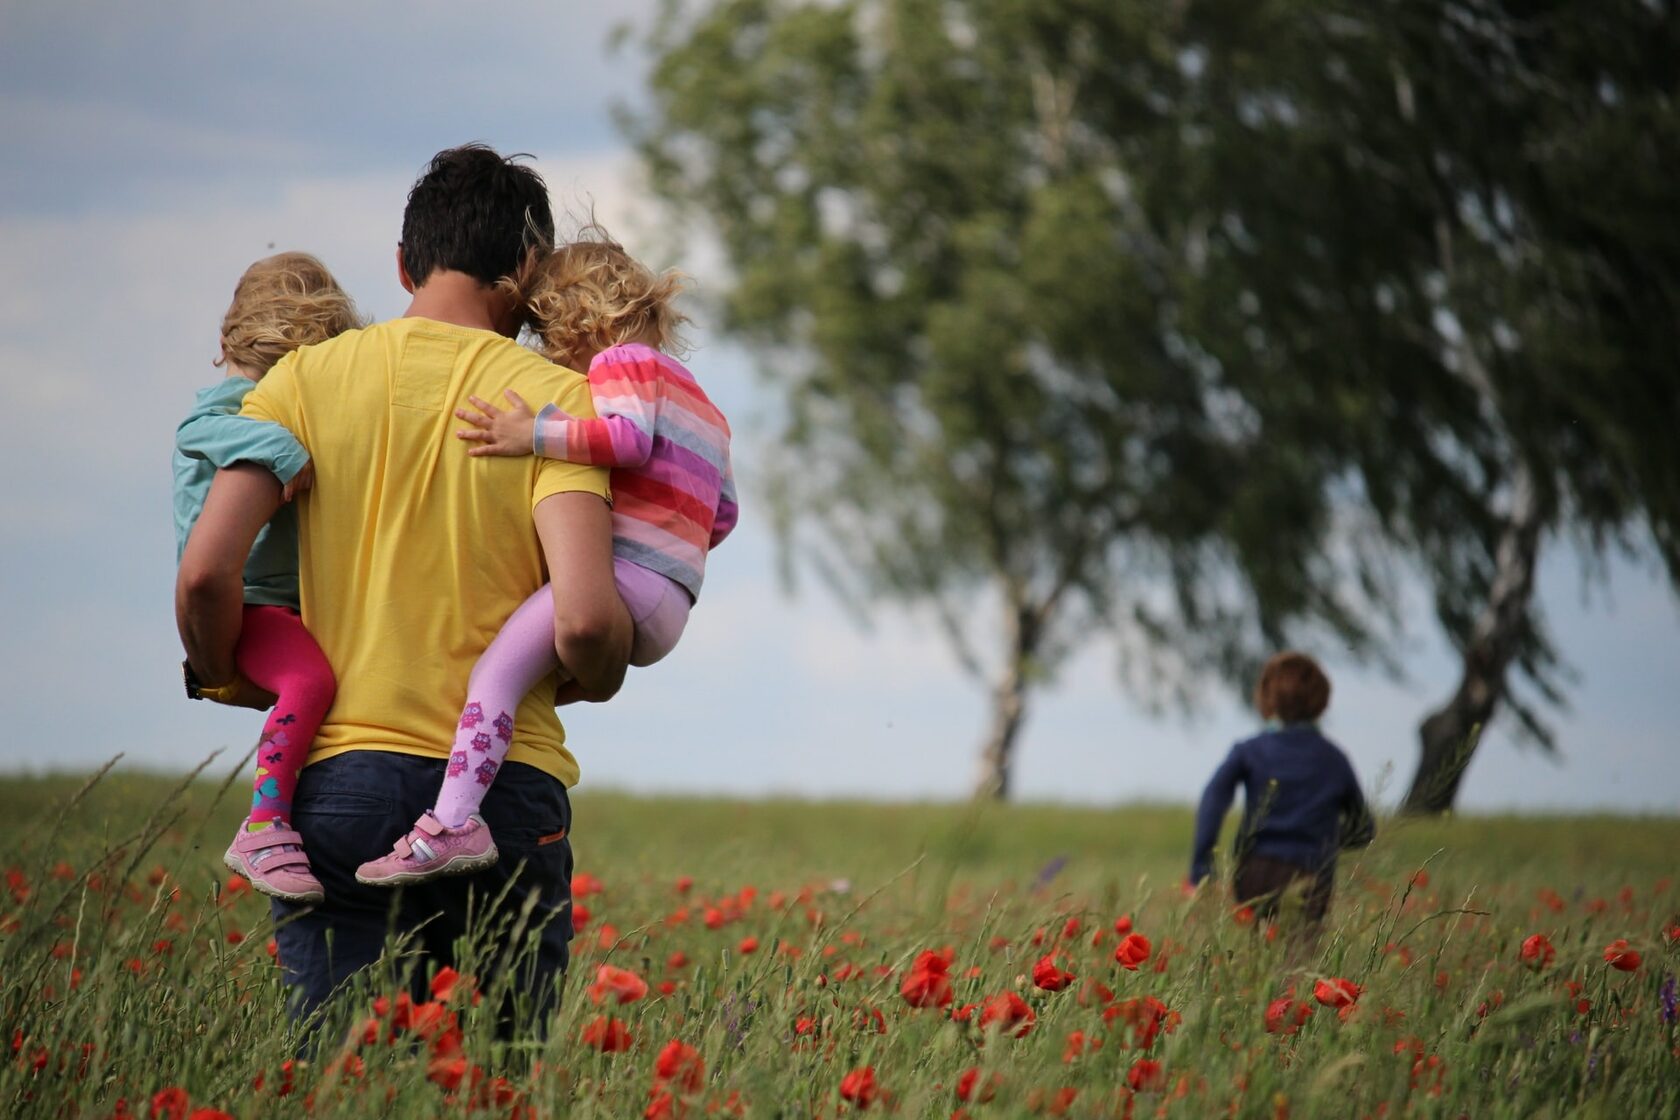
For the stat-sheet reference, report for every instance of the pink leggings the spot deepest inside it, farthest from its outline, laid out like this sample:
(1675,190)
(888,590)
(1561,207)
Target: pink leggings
(523,654)
(276,652)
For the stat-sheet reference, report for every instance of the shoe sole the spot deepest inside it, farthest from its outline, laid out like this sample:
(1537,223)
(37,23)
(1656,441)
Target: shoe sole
(308,898)
(457,865)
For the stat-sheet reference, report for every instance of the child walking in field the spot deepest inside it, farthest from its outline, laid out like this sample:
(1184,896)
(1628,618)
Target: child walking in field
(280,303)
(1301,800)
(598,309)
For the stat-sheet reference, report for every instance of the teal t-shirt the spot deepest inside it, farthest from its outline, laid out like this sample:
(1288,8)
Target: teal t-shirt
(214,436)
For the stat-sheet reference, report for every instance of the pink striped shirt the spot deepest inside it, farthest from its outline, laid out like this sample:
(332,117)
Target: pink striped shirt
(668,445)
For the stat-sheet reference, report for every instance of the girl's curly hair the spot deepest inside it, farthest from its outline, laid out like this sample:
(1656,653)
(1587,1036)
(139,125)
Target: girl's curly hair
(281,303)
(589,294)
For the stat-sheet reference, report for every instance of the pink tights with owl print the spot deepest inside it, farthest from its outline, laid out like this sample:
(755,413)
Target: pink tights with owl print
(276,652)
(522,654)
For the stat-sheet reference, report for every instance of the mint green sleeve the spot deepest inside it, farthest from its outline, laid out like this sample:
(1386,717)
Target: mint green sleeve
(225,438)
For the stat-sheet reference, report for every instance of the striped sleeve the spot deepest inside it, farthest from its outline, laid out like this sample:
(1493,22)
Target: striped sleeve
(626,392)
(728,512)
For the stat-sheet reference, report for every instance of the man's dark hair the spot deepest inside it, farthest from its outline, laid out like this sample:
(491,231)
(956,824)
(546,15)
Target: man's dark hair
(477,212)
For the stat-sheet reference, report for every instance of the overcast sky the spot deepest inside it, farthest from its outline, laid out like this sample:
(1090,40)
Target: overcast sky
(153,151)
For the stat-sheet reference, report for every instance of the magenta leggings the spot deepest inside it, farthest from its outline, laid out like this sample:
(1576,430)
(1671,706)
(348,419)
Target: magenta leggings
(523,654)
(276,652)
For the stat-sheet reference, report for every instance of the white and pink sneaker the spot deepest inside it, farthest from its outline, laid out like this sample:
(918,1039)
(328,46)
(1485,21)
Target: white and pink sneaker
(430,850)
(274,861)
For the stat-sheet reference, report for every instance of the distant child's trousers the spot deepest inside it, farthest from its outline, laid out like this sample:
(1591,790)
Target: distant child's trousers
(523,654)
(277,652)
(1262,881)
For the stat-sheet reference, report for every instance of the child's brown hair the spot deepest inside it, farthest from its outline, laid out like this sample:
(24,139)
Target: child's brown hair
(589,294)
(281,303)
(1292,688)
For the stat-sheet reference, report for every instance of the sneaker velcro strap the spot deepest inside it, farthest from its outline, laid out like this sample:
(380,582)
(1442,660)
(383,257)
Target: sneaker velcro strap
(275,837)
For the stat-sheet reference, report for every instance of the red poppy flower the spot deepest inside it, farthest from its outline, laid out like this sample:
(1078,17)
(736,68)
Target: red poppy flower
(1618,956)
(446,1073)
(1047,976)
(680,1064)
(1010,1012)
(928,983)
(859,1087)
(620,984)
(748,944)
(606,1035)
(1285,1016)
(1146,1075)
(447,982)
(1144,1018)
(1337,992)
(1133,950)
(970,1088)
(170,1104)
(1123,925)
(1537,951)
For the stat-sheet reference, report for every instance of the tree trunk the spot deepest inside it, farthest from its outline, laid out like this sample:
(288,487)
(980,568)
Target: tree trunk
(997,757)
(1448,737)
(1009,703)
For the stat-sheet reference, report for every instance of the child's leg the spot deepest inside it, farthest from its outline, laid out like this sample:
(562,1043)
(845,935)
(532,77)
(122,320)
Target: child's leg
(520,656)
(276,652)
(658,606)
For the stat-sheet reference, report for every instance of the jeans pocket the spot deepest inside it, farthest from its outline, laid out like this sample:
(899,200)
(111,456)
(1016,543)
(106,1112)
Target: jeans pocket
(343,803)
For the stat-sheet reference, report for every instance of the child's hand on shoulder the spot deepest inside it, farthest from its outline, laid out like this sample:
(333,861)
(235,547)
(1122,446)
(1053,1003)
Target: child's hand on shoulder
(498,432)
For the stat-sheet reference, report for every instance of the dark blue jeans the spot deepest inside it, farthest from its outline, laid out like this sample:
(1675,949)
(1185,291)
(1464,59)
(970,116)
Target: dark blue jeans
(352,807)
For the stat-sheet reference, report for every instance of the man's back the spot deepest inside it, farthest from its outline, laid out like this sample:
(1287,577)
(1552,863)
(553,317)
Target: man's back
(412,554)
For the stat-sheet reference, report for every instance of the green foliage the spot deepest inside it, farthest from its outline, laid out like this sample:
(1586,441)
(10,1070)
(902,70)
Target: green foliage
(130,964)
(1179,321)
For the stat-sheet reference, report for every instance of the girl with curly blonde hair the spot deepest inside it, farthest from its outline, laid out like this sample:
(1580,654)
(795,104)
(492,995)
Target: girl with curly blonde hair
(594,307)
(281,303)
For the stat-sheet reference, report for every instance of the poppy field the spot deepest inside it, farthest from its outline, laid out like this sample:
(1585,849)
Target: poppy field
(824,960)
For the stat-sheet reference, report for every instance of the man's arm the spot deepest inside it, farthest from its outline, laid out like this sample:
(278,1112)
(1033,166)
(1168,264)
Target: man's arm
(210,585)
(592,629)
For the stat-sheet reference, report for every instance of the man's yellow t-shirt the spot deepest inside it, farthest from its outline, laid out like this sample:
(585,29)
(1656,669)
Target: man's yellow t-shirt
(411,553)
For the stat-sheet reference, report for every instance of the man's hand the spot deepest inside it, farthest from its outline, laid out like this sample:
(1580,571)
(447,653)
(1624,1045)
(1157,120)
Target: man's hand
(303,480)
(247,695)
(571,692)
(498,433)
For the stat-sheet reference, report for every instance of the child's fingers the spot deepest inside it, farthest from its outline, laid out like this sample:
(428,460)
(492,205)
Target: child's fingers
(476,435)
(473,418)
(483,406)
(518,401)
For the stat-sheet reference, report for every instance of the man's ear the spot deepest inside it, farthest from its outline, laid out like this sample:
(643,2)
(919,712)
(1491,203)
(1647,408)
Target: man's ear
(402,272)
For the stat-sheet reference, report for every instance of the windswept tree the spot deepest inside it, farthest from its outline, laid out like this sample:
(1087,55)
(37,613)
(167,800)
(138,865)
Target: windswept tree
(1171,321)
(1414,212)
(961,263)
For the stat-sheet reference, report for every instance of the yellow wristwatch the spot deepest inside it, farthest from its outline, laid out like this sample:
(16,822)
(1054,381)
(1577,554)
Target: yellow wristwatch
(221,694)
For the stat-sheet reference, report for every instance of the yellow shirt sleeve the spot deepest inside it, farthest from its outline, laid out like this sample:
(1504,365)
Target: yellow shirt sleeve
(556,476)
(276,398)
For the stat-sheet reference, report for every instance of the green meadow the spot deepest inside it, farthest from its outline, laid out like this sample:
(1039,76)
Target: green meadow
(776,958)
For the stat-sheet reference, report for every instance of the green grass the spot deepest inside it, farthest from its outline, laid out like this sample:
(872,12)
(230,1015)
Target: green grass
(129,967)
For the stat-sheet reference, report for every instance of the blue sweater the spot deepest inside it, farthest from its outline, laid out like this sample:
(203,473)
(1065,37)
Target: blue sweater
(1301,801)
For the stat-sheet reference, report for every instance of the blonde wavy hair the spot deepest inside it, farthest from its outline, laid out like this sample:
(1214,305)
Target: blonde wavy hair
(281,303)
(589,294)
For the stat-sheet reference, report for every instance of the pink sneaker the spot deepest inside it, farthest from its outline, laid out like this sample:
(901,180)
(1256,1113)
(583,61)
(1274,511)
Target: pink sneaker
(431,850)
(274,860)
